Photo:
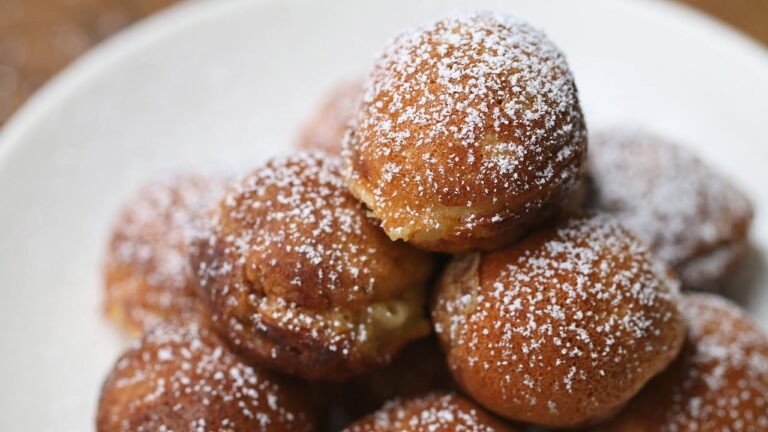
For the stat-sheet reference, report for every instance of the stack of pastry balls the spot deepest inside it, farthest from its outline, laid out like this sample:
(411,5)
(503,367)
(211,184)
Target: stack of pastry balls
(461,262)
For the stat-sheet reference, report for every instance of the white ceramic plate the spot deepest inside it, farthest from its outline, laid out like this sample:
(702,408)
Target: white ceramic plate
(227,82)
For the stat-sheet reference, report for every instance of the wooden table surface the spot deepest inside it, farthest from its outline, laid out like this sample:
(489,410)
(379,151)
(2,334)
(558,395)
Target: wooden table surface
(39,37)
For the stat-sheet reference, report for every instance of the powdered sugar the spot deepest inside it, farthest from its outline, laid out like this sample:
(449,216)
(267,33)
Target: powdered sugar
(474,108)
(147,267)
(182,377)
(724,375)
(293,252)
(579,317)
(431,413)
(296,222)
(682,207)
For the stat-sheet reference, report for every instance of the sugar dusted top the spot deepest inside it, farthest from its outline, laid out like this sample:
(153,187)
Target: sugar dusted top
(663,192)
(465,121)
(183,377)
(156,225)
(299,278)
(432,413)
(147,269)
(301,236)
(725,377)
(718,383)
(563,326)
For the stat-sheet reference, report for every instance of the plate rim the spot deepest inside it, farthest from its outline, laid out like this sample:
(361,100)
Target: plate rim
(62,86)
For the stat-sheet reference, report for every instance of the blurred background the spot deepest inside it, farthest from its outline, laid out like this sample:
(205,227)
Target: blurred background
(40,37)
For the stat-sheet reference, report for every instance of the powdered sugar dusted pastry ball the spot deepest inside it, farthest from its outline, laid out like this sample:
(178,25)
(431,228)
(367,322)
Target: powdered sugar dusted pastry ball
(301,280)
(326,128)
(562,328)
(436,412)
(719,383)
(182,377)
(147,274)
(694,218)
(470,131)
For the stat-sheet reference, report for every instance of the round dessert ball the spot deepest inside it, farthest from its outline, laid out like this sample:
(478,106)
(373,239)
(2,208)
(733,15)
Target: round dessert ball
(562,328)
(469,132)
(694,219)
(182,377)
(147,275)
(719,382)
(301,280)
(436,412)
(326,128)
(418,369)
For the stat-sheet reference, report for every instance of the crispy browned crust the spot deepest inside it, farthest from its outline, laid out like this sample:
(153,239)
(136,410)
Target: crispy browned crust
(300,279)
(326,128)
(562,328)
(719,382)
(147,276)
(435,412)
(469,133)
(182,376)
(694,218)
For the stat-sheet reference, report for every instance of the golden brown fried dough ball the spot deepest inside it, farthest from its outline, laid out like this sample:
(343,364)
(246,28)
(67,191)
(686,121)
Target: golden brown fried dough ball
(719,383)
(326,128)
(182,377)
(301,280)
(694,218)
(562,328)
(469,132)
(418,369)
(147,274)
(436,412)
